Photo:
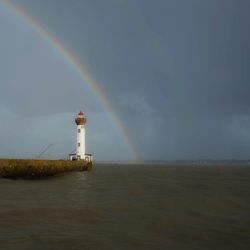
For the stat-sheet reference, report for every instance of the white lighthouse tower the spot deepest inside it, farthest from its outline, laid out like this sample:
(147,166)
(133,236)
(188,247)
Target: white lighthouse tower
(80,154)
(80,141)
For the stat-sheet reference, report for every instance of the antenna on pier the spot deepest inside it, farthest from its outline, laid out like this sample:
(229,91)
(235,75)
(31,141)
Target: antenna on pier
(73,151)
(39,156)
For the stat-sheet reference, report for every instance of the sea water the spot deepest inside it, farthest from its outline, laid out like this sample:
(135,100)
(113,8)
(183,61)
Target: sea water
(152,206)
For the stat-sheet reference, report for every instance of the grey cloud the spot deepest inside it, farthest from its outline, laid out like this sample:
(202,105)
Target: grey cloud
(176,71)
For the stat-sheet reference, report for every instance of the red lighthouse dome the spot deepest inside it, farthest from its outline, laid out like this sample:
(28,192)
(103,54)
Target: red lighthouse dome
(80,119)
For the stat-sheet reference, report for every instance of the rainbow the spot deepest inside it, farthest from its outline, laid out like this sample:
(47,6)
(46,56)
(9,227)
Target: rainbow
(74,63)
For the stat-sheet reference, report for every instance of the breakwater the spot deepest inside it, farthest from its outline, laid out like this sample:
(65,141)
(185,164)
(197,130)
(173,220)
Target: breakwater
(36,169)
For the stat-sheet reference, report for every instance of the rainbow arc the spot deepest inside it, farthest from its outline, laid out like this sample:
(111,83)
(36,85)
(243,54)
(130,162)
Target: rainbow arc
(79,69)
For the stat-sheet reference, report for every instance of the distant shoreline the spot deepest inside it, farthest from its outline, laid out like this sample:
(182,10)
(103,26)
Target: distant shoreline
(178,162)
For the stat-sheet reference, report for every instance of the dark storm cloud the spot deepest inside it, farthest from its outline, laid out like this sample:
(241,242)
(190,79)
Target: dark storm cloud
(198,101)
(177,71)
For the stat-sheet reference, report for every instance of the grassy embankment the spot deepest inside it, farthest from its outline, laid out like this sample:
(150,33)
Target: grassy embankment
(35,169)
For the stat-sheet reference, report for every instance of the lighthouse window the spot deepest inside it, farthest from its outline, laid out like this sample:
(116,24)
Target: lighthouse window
(79,144)
(79,130)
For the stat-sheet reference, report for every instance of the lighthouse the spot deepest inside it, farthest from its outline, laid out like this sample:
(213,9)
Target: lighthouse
(80,141)
(80,154)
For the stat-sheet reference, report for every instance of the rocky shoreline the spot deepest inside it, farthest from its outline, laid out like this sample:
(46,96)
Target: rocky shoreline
(37,169)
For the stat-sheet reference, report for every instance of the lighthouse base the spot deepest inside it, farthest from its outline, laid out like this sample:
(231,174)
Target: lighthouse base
(86,157)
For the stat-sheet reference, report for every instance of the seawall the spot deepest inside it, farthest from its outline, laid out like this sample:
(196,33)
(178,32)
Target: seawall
(36,169)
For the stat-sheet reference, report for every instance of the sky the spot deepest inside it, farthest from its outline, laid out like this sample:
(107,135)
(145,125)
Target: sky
(176,72)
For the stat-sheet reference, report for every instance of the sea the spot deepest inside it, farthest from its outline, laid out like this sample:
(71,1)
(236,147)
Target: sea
(129,206)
